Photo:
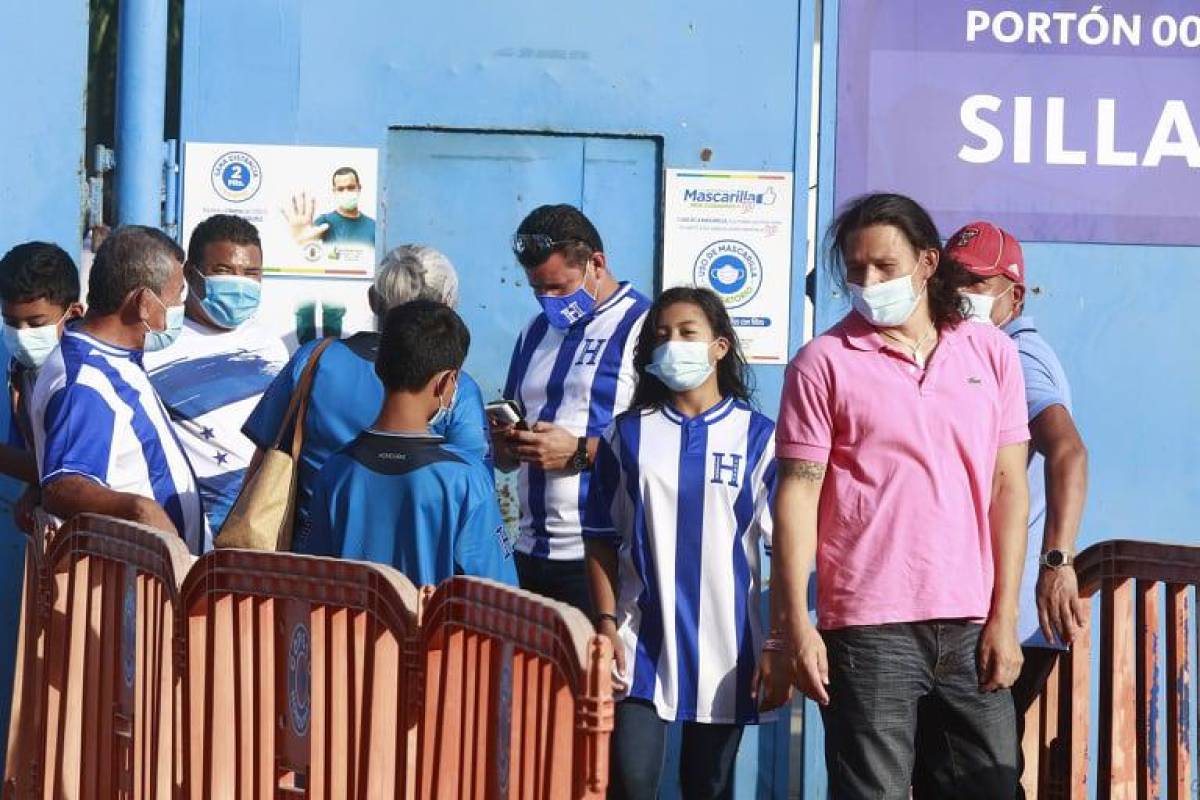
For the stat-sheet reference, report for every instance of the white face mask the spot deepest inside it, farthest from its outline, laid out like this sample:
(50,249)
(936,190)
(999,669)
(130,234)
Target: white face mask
(681,366)
(440,417)
(982,305)
(32,346)
(887,304)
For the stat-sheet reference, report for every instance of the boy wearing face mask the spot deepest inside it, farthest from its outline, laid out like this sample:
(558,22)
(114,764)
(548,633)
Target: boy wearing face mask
(399,494)
(212,377)
(103,440)
(39,290)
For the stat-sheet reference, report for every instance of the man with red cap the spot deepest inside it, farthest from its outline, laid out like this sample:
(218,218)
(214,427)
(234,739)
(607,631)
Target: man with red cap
(1052,613)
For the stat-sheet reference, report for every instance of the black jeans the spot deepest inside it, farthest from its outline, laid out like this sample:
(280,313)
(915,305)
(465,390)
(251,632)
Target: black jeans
(565,581)
(639,744)
(882,680)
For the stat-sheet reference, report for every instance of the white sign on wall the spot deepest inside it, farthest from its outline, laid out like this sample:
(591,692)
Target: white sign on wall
(315,209)
(732,232)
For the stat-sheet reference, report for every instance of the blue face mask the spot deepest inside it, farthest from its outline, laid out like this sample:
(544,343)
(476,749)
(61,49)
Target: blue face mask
(564,311)
(230,300)
(159,340)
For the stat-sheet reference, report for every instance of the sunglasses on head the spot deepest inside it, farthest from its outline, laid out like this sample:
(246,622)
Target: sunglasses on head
(531,249)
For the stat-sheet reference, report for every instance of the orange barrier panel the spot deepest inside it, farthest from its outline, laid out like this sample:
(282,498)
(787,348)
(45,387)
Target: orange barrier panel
(301,677)
(22,766)
(107,685)
(518,696)
(1145,619)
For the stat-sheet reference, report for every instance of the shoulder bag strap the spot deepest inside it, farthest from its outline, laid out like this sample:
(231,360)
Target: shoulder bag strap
(298,407)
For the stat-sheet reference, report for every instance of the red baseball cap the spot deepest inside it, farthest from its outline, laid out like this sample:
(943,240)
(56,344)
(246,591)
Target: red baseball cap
(986,250)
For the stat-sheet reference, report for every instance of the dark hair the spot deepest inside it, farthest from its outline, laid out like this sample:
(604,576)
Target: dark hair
(39,271)
(564,223)
(733,377)
(337,173)
(132,257)
(221,228)
(420,338)
(946,306)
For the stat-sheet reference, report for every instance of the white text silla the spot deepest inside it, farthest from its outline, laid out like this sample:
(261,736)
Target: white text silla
(1174,135)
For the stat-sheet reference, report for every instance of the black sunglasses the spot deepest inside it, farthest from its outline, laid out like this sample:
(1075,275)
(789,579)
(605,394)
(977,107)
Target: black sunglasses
(531,249)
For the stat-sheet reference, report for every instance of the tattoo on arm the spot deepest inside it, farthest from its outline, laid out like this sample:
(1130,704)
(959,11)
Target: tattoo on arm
(804,470)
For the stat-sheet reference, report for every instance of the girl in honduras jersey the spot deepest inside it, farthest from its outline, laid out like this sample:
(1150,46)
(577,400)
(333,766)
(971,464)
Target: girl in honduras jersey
(678,503)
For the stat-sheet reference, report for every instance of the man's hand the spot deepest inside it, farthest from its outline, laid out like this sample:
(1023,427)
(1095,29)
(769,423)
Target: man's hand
(1060,611)
(148,512)
(299,216)
(547,446)
(1000,655)
(810,664)
(502,455)
(772,683)
(608,628)
(23,508)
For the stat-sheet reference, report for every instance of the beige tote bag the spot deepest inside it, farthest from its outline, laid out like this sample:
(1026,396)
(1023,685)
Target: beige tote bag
(265,510)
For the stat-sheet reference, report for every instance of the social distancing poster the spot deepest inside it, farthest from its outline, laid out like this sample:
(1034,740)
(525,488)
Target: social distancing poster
(315,209)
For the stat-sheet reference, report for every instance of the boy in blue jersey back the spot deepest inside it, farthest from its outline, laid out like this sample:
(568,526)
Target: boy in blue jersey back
(398,494)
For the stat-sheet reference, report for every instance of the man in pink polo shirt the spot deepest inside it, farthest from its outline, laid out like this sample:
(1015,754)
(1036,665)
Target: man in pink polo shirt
(901,444)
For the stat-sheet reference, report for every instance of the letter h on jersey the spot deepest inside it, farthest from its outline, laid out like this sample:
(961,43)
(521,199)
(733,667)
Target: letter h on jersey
(590,351)
(726,468)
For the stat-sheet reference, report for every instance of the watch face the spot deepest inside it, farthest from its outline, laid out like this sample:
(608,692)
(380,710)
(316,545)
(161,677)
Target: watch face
(1055,558)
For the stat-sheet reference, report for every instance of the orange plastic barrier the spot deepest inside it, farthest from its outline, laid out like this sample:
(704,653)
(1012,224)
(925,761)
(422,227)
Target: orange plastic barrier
(22,764)
(1140,585)
(300,679)
(107,686)
(518,696)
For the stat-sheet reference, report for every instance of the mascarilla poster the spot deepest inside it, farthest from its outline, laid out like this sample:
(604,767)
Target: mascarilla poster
(732,232)
(315,209)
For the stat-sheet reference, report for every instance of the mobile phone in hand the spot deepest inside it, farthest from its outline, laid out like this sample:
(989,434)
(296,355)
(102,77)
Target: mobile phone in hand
(503,413)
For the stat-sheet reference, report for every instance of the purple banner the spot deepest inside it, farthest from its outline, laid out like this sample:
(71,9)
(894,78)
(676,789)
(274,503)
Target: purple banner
(1054,121)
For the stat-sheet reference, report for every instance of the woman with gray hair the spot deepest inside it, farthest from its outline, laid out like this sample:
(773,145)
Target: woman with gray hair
(346,394)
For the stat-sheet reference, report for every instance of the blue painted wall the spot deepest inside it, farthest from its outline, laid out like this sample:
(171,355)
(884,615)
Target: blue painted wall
(43,55)
(704,75)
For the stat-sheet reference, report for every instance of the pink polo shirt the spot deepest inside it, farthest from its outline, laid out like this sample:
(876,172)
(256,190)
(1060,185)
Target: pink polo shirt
(902,526)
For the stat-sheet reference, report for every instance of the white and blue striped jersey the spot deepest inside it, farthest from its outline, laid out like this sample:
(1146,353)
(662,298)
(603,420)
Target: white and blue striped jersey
(95,414)
(579,379)
(687,502)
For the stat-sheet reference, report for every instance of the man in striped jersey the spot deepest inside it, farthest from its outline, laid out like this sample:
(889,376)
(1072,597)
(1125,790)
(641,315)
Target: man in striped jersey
(103,440)
(571,372)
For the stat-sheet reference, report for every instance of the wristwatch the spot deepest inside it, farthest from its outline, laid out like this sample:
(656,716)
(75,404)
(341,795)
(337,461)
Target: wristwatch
(1055,559)
(579,461)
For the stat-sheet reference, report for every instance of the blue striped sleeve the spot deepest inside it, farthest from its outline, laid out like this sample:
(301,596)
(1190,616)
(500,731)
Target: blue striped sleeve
(79,428)
(514,370)
(602,491)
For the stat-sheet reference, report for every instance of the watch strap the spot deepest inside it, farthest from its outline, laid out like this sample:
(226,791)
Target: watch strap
(1062,557)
